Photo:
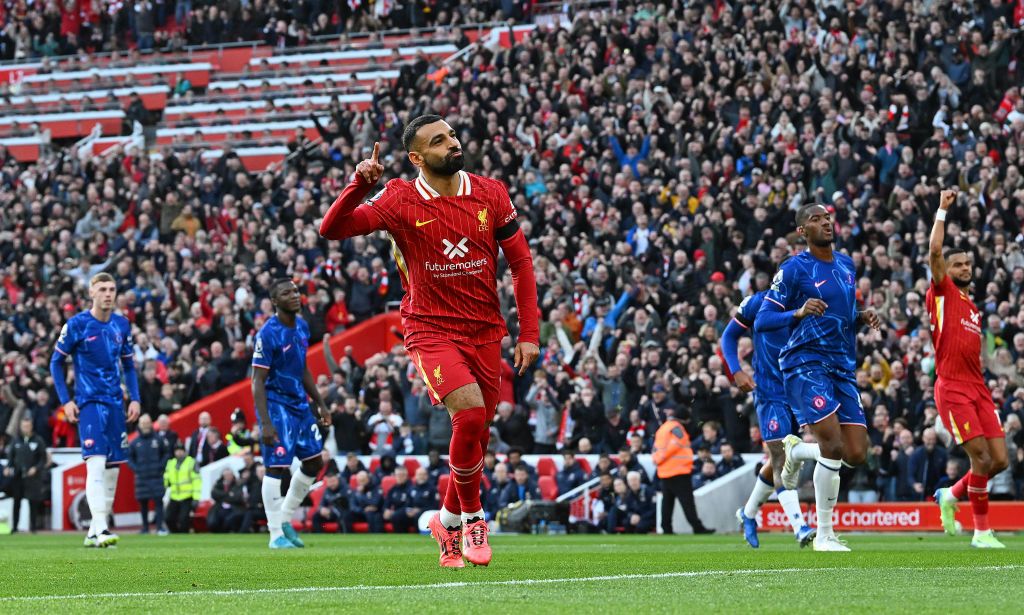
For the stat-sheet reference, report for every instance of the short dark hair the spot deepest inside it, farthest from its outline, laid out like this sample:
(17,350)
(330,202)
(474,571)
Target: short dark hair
(804,212)
(954,250)
(409,134)
(278,283)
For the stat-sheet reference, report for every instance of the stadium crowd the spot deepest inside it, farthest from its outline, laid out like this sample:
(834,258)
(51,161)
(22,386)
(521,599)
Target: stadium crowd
(655,156)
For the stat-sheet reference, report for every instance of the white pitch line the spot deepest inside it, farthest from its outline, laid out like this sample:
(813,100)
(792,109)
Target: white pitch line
(460,584)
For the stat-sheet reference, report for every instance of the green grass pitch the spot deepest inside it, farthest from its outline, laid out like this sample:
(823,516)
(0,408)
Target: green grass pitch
(530,574)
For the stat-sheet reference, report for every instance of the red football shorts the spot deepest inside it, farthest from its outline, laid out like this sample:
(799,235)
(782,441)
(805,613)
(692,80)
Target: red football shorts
(446,366)
(967,410)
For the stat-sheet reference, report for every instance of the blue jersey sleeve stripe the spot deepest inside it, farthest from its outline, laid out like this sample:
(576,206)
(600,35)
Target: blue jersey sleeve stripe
(740,323)
(57,348)
(261,366)
(775,302)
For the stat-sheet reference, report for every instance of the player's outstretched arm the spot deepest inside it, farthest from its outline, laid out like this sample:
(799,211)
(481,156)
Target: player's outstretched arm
(935,258)
(347,216)
(730,345)
(60,384)
(524,287)
(323,413)
(259,397)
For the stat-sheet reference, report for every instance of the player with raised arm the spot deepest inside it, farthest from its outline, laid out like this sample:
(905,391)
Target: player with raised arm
(100,345)
(773,414)
(281,383)
(964,402)
(814,292)
(446,226)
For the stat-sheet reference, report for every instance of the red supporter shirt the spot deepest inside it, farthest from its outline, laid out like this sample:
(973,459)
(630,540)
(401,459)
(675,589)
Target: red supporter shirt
(956,332)
(447,255)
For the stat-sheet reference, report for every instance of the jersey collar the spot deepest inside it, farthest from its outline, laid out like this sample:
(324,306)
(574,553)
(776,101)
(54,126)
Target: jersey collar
(428,193)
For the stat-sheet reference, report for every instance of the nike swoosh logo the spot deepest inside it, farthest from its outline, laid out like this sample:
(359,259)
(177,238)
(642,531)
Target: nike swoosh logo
(818,284)
(419,224)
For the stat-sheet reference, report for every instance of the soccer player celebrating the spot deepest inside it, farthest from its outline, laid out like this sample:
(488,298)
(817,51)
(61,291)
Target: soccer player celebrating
(773,415)
(965,403)
(100,344)
(814,292)
(288,427)
(446,226)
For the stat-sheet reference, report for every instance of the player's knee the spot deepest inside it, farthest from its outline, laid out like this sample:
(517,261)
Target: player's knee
(312,467)
(856,457)
(997,465)
(470,422)
(982,464)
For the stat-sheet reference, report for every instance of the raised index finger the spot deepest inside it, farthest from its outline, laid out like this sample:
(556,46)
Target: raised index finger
(376,151)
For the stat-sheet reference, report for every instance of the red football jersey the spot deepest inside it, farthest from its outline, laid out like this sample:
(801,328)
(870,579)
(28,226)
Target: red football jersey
(447,255)
(956,331)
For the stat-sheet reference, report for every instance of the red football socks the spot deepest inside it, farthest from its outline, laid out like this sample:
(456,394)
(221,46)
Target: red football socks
(466,459)
(977,492)
(959,490)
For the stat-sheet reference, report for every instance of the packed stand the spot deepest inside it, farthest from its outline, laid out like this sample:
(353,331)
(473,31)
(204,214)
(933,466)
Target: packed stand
(655,157)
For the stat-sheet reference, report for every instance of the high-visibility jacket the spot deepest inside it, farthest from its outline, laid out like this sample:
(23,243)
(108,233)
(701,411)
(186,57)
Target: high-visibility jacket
(182,479)
(672,451)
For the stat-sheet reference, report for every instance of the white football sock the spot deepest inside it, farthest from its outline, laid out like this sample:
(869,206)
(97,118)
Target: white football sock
(449,519)
(272,505)
(826,492)
(110,485)
(790,502)
(96,493)
(466,517)
(805,451)
(297,490)
(758,496)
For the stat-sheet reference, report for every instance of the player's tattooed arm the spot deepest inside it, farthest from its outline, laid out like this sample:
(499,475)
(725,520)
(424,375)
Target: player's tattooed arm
(259,396)
(935,258)
(323,413)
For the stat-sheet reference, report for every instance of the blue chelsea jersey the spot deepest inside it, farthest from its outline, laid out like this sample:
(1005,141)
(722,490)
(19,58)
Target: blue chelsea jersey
(832,337)
(282,350)
(97,348)
(767,346)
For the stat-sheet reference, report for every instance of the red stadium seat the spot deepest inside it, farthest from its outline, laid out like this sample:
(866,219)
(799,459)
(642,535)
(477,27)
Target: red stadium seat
(386,484)
(315,498)
(546,467)
(412,465)
(352,482)
(200,515)
(548,487)
(584,465)
(374,464)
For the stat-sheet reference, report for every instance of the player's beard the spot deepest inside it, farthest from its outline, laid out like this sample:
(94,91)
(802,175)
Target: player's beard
(449,166)
(963,283)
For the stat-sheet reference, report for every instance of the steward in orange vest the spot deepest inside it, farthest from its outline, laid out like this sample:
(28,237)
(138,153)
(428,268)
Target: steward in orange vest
(673,456)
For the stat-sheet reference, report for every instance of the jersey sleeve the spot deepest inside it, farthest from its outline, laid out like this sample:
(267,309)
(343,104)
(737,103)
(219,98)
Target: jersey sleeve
(350,215)
(747,311)
(944,288)
(784,286)
(262,354)
(127,345)
(779,302)
(68,339)
(505,214)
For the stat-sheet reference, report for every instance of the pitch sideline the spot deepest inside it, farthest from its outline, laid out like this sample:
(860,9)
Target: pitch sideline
(462,584)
